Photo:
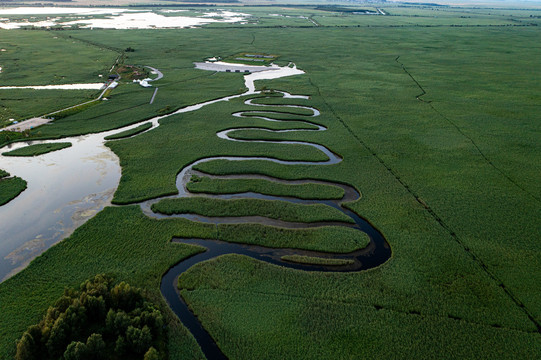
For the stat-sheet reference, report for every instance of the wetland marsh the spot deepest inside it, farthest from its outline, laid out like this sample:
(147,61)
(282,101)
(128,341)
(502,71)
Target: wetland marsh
(415,125)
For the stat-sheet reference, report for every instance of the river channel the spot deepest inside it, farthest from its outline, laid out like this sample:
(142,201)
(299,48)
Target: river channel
(58,199)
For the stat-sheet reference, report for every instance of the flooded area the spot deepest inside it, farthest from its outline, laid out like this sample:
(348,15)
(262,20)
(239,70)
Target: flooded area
(112,18)
(65,188)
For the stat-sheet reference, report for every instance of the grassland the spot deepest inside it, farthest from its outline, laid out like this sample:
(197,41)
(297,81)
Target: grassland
(273,209)
(7,137)
(37,102)
(10,187)
(38,149)
(24,64)
(231,186)
(130,103)
(332,239)
(451,181)
(334,321)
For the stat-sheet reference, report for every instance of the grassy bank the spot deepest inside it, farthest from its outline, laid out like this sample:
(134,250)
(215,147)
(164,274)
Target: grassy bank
(38,149)
(10,187)
(316,260)
(274,209)
(332,239)
(267,187)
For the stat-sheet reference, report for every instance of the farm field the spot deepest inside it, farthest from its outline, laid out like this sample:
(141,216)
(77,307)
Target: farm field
(432,113)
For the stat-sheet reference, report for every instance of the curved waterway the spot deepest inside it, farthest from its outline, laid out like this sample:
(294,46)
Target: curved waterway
(376,253)
(65,188)
(58,199)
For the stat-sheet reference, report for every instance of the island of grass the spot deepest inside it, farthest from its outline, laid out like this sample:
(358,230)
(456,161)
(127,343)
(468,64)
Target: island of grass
(274,209)
(330,239)
(38,149)
(307,190)
(10,187)
(312,260)
(128,133)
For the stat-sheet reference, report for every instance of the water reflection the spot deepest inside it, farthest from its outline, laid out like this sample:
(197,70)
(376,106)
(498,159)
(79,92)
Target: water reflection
(65,188)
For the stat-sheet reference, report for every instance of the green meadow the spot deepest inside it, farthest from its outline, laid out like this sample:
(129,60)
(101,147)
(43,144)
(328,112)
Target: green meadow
(273,209)
(434,111)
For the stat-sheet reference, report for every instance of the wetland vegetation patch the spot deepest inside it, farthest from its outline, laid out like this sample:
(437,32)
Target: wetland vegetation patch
(10,187)
(307,190)
(38,149)
(128,133)
(274,209)
(332,239)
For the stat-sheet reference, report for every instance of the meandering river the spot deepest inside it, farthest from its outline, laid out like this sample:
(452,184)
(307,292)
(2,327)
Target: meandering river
(69,186)
(58,199)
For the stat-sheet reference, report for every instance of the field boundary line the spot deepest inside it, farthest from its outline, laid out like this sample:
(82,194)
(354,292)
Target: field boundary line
(461,132)
(435,216)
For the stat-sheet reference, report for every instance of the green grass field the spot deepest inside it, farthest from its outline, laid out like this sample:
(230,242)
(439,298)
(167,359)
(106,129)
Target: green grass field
(433,111)
(23,63)
(231,186)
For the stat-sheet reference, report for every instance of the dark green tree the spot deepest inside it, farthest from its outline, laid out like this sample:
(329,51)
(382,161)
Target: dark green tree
(151,354)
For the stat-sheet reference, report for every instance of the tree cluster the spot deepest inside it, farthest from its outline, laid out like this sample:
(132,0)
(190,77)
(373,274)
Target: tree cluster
(99,321)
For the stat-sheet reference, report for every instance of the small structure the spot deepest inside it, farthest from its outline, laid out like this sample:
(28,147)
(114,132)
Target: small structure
(113,77)
(232,68)
(144,82)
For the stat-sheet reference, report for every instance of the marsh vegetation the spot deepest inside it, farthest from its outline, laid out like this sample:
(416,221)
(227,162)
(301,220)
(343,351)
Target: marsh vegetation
(432,119)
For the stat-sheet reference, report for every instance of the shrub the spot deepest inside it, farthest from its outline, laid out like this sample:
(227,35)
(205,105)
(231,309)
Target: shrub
(98,321)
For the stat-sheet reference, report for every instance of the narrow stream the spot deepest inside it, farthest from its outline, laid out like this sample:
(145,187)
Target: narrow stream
(375,254)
